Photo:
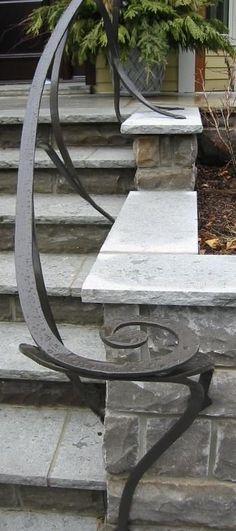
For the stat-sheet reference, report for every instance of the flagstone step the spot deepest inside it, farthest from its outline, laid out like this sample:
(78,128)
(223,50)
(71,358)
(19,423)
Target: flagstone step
(45,521)
(84,340)
(51,447)
(65,223)
(83,157)
(74,134)
(22,381)
(56,499)
(96,181)
(60,272)
(102,170)
(74,107)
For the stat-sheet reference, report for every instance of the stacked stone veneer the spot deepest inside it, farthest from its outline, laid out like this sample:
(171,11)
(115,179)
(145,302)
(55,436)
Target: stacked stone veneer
(165,162)
(165,149)
(193,485)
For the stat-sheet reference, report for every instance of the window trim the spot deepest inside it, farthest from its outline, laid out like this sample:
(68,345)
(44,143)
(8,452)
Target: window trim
(232,21)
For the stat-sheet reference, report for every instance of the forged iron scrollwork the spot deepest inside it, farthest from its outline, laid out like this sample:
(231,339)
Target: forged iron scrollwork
(49,350)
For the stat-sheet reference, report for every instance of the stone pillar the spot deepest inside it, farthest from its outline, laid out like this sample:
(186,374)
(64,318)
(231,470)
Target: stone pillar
(165,149)
(165,162)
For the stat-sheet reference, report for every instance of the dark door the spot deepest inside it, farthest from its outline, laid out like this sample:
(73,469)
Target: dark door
(18,55)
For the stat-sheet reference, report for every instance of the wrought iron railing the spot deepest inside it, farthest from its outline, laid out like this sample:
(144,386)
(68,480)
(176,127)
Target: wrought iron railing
(49,349)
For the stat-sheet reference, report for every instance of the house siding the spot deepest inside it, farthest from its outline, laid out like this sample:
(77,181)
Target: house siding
(216,75)
(170,83)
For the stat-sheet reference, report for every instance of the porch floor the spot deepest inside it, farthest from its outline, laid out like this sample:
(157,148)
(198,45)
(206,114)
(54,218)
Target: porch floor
(76,105)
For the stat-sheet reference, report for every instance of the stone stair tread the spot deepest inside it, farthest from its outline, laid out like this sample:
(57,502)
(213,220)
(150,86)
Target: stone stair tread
(13,365)
(17,520)
(68,208)
(51,447)
(74,107)
(83,157)
(60,271)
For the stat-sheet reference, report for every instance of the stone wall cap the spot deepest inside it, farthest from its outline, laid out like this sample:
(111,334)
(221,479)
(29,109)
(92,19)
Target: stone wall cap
(152,123)
(155,222)
(162,279)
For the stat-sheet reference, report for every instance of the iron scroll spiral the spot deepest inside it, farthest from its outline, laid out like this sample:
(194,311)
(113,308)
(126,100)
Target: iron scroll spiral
(49,349)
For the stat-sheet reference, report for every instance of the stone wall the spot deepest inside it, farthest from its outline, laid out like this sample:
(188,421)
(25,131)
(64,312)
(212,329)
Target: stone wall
(192,486)
(165,162)
(150,262)
(165,148)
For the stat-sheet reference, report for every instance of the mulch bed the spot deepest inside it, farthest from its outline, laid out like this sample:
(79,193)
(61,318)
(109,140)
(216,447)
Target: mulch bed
(216,187)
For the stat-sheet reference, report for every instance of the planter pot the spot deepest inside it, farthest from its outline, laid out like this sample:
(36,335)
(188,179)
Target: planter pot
(136,72)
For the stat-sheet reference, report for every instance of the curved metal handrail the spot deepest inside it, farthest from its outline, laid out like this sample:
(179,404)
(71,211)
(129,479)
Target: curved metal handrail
(49,349)
(69,171)
(120,74)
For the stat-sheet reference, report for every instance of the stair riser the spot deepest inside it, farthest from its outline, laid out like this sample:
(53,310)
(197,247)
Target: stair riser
(42,393)
(60,238)
(65,310)
(87,502)
(96,181)
(94,134)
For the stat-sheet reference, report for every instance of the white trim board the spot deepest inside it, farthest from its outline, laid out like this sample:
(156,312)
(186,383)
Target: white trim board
(187,60)
(232,20)
(186,72)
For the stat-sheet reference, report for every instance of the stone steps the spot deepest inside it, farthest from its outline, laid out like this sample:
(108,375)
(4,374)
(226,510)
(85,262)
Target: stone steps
(51,447)
(51,458)
(61,272)
(96,133)
(96,181)
(65,223)
(23,381)
(20,520)
(83,157)
(101,169)
(74,108)
(13,365)
(51,468)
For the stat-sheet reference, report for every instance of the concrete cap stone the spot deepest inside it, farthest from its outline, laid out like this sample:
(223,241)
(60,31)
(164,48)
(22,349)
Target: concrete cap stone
(155,222)
(176,279)
(152,123)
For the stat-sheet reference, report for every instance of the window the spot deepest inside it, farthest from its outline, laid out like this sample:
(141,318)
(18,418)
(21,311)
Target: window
(220,11)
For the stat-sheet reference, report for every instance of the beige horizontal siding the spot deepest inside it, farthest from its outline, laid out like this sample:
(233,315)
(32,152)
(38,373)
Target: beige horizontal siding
(170,83)
(216,74)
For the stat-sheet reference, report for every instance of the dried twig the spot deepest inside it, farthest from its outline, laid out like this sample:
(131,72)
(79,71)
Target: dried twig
(220,118)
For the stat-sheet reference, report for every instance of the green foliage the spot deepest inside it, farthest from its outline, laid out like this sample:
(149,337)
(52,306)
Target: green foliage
(152,26)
